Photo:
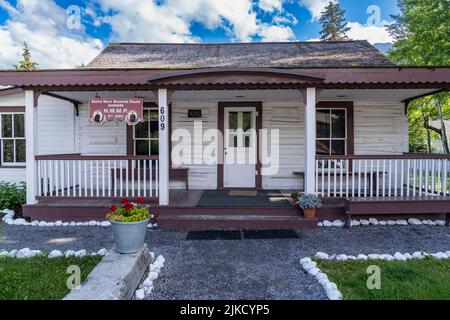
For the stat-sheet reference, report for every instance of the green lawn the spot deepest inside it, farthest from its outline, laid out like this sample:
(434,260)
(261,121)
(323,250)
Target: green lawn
(400,280)
(39,278)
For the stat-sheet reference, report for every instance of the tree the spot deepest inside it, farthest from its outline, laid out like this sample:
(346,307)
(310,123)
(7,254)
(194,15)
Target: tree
(334,24)
(26,64)
(421,32)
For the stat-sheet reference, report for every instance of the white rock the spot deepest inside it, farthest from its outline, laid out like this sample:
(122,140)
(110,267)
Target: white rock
(390,222)
(330,286)
(55,254)
(334,295)
(322,255)
(426,222)
(307,266)
(431,223)
(320,224)
(306,259)
(362,257)
(35,223)
(80,253)
(373,221)
(401,222)
(387,257)
(439,222)
(50,224)
(152,275)
(72,224)
(355,223)
(69,253)
(338,223)
(417,255)
(92,223)
(23,253)
(414,222)
(42,224)
(408,256)
(19,222)
(314,271)
(374,256)
(447,253)
(382,223)
(150,225)
(78,224)
(440,255)
(102,252)
(323,281)
(155,225)
(399,256)
(327,223)
(342,257)
(65,224)
(12,253)
(364,222)
(140,294)
(321,275)
(152,256)
(85,224)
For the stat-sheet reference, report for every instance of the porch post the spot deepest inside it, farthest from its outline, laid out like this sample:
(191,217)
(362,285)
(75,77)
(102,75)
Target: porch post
(163,125)
(31,145)
(310,139)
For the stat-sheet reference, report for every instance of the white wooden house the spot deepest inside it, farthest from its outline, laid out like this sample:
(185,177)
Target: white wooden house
(331,118)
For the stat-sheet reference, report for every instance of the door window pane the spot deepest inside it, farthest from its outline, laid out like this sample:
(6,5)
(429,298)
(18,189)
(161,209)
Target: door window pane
(8,151)
(7,125)
(19,126)
(20,150)
(247,141)
(338,123)
(233,121)
(246,121)
(323,147)
(323,123)
(142,148)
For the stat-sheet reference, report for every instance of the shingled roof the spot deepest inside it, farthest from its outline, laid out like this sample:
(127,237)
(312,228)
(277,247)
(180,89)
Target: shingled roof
(342,54)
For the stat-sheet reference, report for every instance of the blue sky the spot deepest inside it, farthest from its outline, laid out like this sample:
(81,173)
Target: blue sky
(66,33)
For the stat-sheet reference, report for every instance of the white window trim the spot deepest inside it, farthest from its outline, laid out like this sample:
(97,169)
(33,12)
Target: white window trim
(149,139)
(14,139)
(345,139)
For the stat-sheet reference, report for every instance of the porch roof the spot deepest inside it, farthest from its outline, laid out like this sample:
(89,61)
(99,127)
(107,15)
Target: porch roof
(229,78)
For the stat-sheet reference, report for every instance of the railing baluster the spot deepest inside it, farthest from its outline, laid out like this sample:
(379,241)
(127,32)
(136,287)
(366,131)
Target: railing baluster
(145,177)
(414,177)
(390,178)
(109,178)
(444,177)
(150,168)
(359,178)
(334,178)
(353,177)
(322,169)
(365,178)
(121,180)
(371,179)
(132,178)
(103,178)
(115,178)
(139,178)
(329,178)
(317,178)
(408,180)
(126,177)
(341,162)
(433,174)
(346,176)
(157,178)
(402,175)
(96,179)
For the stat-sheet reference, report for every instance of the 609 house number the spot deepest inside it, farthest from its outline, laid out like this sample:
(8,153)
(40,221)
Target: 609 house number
(230,310)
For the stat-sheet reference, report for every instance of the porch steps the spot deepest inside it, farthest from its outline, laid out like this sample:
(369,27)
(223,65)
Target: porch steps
(237,218)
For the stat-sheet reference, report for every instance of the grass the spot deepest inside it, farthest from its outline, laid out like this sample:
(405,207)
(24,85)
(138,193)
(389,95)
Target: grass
(40,278)
(427,279)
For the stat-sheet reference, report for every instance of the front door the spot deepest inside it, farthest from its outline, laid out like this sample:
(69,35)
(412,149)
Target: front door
(240,143)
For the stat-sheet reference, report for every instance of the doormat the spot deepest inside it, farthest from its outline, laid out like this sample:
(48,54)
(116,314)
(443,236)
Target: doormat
(270,234)
(243,193)
(263,198)
(214,235)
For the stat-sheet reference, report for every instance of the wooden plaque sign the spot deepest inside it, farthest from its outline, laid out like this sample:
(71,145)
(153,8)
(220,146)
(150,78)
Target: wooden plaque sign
(130,110)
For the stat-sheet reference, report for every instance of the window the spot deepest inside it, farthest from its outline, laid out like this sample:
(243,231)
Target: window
(146,134)
(12,138)
(331,131)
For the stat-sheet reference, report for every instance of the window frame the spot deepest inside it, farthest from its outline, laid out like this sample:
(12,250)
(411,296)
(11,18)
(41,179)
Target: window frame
(11,111)
(149,139)
(349,124)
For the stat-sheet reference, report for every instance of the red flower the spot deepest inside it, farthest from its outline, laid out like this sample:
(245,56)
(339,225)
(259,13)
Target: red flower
(113,208)
(128,206)
(124,200)
(140,200)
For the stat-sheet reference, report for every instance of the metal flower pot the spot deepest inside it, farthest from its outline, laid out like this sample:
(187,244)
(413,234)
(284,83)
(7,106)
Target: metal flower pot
(129,237)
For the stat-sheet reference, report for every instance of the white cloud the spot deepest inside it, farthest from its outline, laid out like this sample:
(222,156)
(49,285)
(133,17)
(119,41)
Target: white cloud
(373,34)
(270,5)
(276,33)
(42,24)
(316,7)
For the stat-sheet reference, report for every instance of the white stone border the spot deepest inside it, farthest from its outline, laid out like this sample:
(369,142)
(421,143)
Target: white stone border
(8,219)
(146,287)
(331,288)
(376,222)
(28,253)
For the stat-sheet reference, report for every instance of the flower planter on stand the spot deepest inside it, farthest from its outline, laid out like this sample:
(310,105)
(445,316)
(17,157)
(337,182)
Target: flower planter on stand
(129,237)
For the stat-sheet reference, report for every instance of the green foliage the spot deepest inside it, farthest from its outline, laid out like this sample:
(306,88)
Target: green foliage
(308,201)
(40,278)
(130,212)
(426,279)
(12,196)
(422,33)
(27,64)
(334,25)
(295,195)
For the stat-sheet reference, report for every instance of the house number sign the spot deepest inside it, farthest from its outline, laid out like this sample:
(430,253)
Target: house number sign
(162,118)
(130,110)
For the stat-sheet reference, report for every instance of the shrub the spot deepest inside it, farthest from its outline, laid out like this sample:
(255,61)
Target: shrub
(295,195)
(307,201)
(12,196)
(129,212)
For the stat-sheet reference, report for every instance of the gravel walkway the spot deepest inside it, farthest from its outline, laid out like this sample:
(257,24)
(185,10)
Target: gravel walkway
(237,269)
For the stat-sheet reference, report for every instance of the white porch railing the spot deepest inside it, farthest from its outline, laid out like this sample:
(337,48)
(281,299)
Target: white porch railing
(77,176)
(383,175)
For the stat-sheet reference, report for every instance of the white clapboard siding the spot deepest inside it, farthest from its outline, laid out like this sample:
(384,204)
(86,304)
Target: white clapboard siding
(287,117)
(201,175)
(13,100)
(379,128)
(13,175)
